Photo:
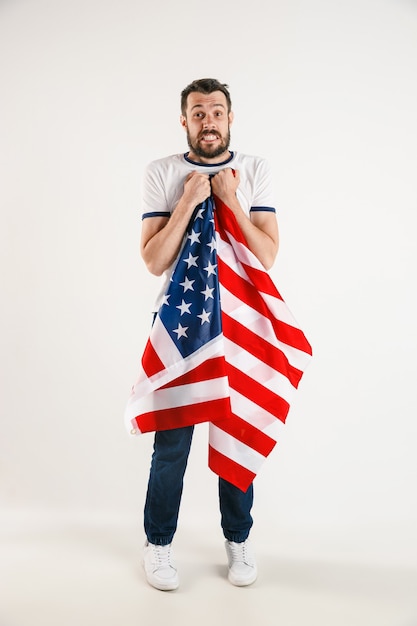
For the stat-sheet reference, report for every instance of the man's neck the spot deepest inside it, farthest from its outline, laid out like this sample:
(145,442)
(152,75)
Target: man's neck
(221,158)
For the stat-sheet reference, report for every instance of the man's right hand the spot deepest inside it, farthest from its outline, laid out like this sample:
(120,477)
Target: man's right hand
(196,188)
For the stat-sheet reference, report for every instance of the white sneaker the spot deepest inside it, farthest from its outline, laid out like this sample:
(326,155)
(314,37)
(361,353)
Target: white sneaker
(160,568)
(242,565)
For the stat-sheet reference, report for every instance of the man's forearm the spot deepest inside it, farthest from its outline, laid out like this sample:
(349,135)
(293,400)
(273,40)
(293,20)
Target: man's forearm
(160,248)
(260,232)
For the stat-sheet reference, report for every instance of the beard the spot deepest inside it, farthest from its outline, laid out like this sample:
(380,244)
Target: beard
(209,153)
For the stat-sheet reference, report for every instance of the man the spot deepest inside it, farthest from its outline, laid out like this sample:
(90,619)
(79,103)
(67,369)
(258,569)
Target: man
(173,187)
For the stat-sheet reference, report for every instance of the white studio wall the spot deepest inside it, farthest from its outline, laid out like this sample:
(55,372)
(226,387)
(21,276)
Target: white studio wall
(327,92)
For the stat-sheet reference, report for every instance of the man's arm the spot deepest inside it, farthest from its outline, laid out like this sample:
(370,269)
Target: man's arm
(162,237)
(260,229)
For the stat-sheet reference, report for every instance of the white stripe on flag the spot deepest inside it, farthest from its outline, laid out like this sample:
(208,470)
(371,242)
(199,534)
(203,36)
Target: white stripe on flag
(262,373)
(275,305)
(235,253)
(182,395)
(161,339)
(235,450)
(250,318)
(211,349)
(254,414)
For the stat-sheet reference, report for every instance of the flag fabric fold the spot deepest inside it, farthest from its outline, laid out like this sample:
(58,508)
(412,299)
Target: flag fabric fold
(224,349)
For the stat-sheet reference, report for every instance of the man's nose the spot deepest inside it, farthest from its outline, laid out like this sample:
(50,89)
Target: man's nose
(208,121)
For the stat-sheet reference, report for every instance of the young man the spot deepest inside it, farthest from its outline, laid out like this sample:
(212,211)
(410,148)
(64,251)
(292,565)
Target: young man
(173,187)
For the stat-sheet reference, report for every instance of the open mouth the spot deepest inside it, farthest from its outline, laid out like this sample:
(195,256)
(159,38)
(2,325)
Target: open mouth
(209,137)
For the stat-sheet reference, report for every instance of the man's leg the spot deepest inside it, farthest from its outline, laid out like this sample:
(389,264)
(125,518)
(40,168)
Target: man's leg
(235,508)
(169,461)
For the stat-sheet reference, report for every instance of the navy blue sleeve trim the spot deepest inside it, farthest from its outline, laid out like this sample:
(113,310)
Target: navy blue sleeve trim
(269,209)
(157,214)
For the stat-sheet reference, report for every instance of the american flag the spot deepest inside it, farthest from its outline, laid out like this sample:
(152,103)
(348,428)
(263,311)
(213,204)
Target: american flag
(224,349)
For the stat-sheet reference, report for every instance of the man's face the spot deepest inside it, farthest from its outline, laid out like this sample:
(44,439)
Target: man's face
(207,123)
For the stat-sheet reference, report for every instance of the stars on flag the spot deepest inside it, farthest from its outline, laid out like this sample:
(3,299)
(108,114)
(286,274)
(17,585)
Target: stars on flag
(208,292)
(184,307)
(212,245)
(181,331)
(210,269)
(191,260)
(194,237)
(204,316)
(193,292)
(187,284)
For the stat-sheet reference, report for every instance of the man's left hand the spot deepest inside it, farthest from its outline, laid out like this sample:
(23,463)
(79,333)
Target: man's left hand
(225,183)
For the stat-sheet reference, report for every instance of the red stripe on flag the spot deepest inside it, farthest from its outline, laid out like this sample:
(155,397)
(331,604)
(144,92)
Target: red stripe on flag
(260,395)
(262,280)
(151,362)
(258,277)
(261,349)
(225,220)
(229,470)
(250,295)
(247,434)
(212,368)
(180,416)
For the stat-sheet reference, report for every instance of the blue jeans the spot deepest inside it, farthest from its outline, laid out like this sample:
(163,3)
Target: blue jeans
(169,461)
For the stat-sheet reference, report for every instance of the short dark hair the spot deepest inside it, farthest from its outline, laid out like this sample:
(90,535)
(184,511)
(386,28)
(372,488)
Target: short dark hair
(205,85)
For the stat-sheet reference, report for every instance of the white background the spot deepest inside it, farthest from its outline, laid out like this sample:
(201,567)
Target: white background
(327,92)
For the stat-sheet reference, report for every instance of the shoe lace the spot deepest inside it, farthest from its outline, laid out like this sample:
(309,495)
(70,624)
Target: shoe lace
(241,552)
(162,556)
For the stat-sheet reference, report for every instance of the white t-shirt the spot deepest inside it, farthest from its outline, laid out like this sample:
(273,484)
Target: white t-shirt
(163,186)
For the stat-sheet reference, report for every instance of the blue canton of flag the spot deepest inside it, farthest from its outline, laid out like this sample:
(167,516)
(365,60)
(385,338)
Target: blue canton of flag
(190,310)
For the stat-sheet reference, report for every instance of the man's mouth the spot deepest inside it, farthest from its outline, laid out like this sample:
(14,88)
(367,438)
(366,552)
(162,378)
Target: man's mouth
(209,136)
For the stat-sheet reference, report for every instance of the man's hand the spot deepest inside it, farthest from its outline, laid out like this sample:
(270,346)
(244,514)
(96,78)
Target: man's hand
(225,183)
(196,188)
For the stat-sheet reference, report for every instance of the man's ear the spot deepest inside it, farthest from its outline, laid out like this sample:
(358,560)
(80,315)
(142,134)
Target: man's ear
(183,121)
(231,117)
